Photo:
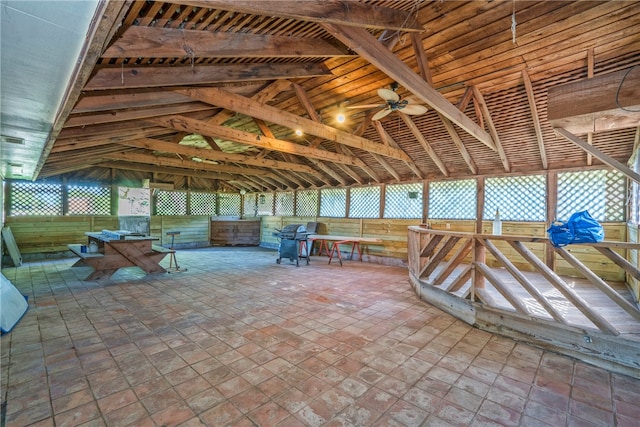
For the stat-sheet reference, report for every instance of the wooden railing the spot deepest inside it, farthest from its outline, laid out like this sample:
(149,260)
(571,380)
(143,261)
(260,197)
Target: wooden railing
(455,263)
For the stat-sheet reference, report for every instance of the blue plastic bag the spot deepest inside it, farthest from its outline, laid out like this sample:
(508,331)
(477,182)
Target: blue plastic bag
(581,228)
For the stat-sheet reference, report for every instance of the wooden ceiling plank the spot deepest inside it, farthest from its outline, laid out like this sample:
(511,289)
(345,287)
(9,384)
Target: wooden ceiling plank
(200,127)
(536,118)
(479,99)
(136,77)
(362,164)
(630,173)
(336,11)
(459,144)
(183,163)
(157,42)
(170,147)
(327,170)
(367,46)
(241,104)
(425,144)
(101,102)
(385,137)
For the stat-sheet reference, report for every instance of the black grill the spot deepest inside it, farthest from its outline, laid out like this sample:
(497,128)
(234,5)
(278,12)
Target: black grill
(293,237)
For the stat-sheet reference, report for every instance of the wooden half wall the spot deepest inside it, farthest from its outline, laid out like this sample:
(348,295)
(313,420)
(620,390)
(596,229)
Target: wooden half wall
(47,234)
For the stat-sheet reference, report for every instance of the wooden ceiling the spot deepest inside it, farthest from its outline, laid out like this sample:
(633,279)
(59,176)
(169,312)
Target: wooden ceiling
(207,94)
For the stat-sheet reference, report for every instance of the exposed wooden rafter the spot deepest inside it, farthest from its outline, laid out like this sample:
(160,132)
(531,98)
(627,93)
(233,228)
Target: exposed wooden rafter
(197,126)
(368,47)
(132,77)
(535,117)
(241,104)
(154,42)
(336,11)
(479,100)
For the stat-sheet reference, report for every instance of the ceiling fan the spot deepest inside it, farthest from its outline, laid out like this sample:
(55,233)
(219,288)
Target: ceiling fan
(393,102)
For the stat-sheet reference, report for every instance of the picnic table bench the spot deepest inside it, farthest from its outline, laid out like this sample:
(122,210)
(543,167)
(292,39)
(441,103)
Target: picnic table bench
(119,250)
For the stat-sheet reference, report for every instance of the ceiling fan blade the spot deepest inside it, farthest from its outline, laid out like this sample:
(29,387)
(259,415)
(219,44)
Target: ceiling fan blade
(413,109)
(380,114)
(354,107)
(388,95)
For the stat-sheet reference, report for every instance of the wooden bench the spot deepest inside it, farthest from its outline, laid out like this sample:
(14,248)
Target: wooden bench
(337,241)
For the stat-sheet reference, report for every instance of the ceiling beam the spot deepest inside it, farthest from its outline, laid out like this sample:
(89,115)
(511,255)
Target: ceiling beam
(156,42)
(205,154)
(602,103)
(425,144)
(479,100)
(198,126)
(370,49)
(599,154)
(536,118)
(241,104)
(133,77)
(140,167)
(336,11)
(151,159)
(131,114)
(388,139)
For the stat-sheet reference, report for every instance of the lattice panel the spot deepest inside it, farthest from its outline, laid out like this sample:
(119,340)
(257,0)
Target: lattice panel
(452,199)
(29,198)
(601,192)
(518,198)
(249,205)
(203,203)
(333,202)
(307,203)
(171,203)
(284,203)
(364,202)
(229,204)
(403,201)
(85,200)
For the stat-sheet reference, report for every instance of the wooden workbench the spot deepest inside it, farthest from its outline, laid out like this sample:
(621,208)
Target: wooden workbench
(115,252)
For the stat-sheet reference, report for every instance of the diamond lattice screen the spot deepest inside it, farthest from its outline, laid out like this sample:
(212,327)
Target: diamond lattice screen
(229,204)
(452,199)
(634,197)
(85,200)
(403,201)
(364,202)
(307,203)
(29,198)
(171,203)
(601,192)
(518,198)
(284,203)
(249,205)
(203,203)
(265,204)
(333,202)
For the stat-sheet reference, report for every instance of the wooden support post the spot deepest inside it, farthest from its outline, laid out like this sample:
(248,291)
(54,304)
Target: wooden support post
(479,254)
(552,205)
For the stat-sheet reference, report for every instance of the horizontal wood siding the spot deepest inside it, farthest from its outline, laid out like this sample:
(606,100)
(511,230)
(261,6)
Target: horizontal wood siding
(40,234)
(194,230)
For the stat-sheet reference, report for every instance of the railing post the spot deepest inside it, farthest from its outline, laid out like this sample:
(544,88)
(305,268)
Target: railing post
(479,253)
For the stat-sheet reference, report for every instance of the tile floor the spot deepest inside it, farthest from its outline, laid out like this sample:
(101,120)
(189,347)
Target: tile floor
(238,340)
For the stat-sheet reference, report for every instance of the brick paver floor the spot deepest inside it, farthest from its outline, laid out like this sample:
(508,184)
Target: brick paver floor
(238,340)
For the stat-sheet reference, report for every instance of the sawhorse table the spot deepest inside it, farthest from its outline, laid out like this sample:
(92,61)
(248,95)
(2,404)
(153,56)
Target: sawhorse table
(336,241)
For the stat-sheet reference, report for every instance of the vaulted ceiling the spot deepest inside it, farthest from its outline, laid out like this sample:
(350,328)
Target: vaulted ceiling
(209,94)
